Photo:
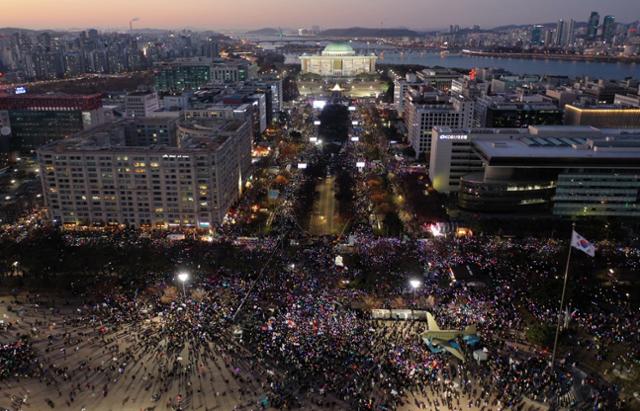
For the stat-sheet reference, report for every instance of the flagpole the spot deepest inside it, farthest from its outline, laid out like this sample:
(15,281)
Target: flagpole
(564,289)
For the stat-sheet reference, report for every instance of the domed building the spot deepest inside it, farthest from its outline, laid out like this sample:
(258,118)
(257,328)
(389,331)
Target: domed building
(338,60)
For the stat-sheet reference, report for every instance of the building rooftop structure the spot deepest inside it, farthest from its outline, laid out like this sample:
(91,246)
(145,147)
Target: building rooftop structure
(622,150)
(338,49)
(112,136)
(51,101)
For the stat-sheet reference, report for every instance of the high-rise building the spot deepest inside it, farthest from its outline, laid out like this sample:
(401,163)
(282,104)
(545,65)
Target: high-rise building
(438,78)
(272,87)
(497,111)
(608,29)
(592,25)
(536,34)
(423,112)
(182,74)
(569,33)
(97,178)
(400,85)
(558,40)
(564,33)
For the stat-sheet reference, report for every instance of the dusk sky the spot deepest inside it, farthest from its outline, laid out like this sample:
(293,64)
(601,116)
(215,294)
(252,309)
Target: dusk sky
(242,14)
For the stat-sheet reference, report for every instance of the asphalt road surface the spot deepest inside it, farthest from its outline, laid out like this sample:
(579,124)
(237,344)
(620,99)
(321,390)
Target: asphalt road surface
(324,220)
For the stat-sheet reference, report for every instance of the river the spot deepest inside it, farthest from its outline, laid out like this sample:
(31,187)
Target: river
(613,71)
(600,70)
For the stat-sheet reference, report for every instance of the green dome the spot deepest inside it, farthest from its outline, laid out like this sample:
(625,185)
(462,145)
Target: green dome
(338,49)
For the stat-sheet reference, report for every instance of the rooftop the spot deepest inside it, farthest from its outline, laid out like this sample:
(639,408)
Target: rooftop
(338,49)
(602,107)
(140,93)
(606,151)
(112,137)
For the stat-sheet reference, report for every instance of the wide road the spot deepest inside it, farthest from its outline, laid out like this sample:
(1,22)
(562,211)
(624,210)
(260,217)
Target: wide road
(324,218)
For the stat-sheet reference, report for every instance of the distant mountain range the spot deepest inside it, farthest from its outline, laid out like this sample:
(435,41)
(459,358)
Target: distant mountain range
(267,31)
(370,32)
(344,32)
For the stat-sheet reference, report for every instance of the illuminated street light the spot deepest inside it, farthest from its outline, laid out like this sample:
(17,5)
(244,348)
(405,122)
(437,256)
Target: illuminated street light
(183,277)
(415,284)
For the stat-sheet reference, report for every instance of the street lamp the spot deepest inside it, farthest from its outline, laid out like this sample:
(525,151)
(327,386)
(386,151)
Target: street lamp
(415,284)
(183,277)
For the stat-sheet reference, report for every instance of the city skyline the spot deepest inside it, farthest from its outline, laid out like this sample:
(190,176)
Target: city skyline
(228,14)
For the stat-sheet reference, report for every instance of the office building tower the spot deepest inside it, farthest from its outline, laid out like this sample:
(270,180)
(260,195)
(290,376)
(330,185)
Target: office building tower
(141,103)
(608,29)
(505,112)
(536,35)
(400,86)
(438,78)
(592,25)
(35,119)
(422,112)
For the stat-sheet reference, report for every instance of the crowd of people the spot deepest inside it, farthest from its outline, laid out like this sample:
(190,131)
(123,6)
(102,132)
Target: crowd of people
(278,323)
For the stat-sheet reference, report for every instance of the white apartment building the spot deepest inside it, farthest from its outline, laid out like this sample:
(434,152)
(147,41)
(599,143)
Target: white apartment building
(400,86)
(96,178)
(141,103)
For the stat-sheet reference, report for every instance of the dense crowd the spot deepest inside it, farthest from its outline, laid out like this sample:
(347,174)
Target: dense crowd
(275,322)
(305,331)
(17,359)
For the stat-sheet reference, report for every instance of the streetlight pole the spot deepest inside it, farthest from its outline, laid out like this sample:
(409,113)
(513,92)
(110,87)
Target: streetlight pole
(415,284)
(183,277)
(564,290)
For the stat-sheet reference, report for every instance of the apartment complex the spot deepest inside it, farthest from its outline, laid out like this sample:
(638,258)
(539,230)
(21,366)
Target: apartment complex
(97,178)
(182,75)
